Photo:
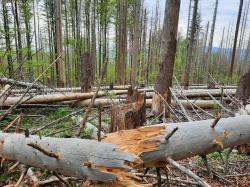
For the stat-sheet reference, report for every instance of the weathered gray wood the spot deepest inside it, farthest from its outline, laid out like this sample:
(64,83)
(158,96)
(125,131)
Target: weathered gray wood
(197,138)
(73,153)
(205,104)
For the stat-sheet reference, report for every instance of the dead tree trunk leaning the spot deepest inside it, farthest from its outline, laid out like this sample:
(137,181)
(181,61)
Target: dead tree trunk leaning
(87,72)
(111,160)
(169,34)
(131,114)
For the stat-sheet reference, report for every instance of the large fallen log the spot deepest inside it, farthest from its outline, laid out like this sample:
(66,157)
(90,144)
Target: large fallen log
(42,99)
(72,89)
(78,99)
(111,161)
(205,104)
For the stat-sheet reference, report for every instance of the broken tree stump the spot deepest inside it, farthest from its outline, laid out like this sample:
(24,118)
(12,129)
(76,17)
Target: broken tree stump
(131,114)
(87,72)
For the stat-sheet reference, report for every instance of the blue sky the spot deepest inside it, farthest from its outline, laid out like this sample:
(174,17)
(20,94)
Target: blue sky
(227,14)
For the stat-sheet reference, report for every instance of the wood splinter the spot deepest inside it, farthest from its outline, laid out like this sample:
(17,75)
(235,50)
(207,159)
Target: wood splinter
(216,120)
(39,148)
(171,133)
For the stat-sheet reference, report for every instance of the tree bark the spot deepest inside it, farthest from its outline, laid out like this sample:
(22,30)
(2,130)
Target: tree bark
(135,48)
(122,41)
(165,74)
(27,17)
(110,161)
(7,38)
(59,46)
(87,72)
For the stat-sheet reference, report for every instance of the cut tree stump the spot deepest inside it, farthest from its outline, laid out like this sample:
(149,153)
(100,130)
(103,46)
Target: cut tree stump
(87,72)
(131,114)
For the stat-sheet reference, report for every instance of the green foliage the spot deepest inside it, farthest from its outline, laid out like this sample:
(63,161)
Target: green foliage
(111,72)
(61,112)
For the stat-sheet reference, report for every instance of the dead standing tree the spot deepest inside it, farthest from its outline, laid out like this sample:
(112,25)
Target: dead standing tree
(165,75)
(230,75)
(190,47)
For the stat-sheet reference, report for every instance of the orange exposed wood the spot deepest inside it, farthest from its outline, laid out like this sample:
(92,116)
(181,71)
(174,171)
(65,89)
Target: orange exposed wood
(134,141)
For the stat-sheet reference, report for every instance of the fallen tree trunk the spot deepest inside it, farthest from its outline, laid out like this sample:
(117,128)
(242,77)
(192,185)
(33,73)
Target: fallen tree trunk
(72,89)
(21,83)
(149,92)
(38,99)
(111,161)
(205,104)
(104,102)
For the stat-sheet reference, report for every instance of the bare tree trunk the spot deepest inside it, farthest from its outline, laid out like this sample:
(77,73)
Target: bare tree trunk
(164,78)
(135,48)
(93,37)
(87,71)
(210,46)
(190,47)
(230,75)
(27,17)
(7,37)
(204,53)
(19,42)
(122,41)
(189,13)
(59,46)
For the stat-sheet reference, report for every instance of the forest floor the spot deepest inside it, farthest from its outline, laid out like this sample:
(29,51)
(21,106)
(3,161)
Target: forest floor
(238,173)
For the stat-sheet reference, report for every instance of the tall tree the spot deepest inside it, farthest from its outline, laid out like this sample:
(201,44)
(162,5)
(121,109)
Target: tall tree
(6,23)
(190,46)
(122,41)
(93,35)
(235,40)
(136,35)
(59,46)
(211,39)
(19,42)
(168,49)
(27,17)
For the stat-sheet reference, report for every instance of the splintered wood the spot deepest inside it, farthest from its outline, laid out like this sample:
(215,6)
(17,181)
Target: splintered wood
(136,141)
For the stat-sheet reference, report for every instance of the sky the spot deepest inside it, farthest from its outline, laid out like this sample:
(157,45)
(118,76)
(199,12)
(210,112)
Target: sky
(227,14)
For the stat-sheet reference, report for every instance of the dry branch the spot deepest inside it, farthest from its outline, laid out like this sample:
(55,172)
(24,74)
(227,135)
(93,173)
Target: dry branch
(110,161)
